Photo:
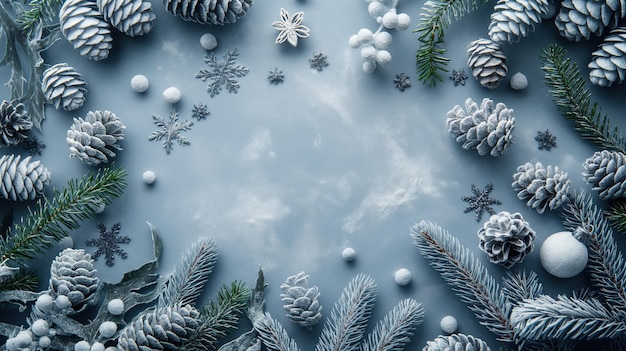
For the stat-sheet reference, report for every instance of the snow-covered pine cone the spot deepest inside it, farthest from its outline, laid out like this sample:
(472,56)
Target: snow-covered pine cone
(487,62)
(301,302)
(166,328)
(94,139)
(515,19)
(15,123)
(72,275)
(506,238)
(456,342)
(131,17)
(541,187)
(486,129)
(208,11)
(578,19)
(64,87)
(608,62)
(21,179)
(606,172)
(83,26)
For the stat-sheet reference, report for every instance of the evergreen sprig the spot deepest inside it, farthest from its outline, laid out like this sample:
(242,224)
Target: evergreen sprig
(573,100)
(435,17)
(395,330)
(519,286)
(41,12)
(617,215)
(273,335)
(53,219)
(26,281)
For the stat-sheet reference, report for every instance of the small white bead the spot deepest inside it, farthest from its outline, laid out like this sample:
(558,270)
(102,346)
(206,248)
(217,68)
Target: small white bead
(139,83)
(208,41)
(172,95)
(45,341)
(376,9)
(44,302)
(62,302)
(149,177)
(116,307)
(403,276)
(519,81)
(383,57)
(390,20)
(23,339)
(107,329)
(383,40)
(82,346)
(369,66)
(97,346)
(40,327)
(449,324)
(100,207)
(365,35)
(66,243)
(368,53)
(403,21)
(354,41)
(348,254)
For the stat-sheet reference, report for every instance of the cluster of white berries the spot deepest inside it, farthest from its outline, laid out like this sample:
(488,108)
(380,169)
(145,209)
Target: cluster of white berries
(374,45)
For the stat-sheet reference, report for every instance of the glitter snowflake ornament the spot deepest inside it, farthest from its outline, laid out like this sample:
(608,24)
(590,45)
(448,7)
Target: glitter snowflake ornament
(276,76)
(506,238)
(222,74)
(318,61)
(170,131)
(458,77)
(290,28)
(200,111)
(402,81)
(109,243)
(545,140)
(481,202)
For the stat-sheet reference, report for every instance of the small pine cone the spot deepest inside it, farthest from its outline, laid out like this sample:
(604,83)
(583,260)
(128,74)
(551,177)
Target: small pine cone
(21,179)
(83,26)
(608,63)
(541,187)
(506,238)
(456,342)
(131,17)
(64,87)
(487,62)
(514,19)
(301,302)
(578,19)
(606,172)
(483,128)
(209,11)
(166,328)
(72,275)
(15,123)
(94,139)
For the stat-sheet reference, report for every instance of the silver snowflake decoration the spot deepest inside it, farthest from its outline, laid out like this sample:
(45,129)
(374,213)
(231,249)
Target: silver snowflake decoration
(276,76)
(481,201)
(33,146)
(290,28)
(200,111)
(318,61)
(222,74)
(109,243)
(458,77)
(402,81)
(545,140)
(170,131)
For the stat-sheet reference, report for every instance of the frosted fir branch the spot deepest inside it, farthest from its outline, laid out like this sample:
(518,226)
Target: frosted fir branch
(467,277)
(617,215)
(344,329)
(519,286)
(273,335)
(565,318)
(395,330)
(41,12)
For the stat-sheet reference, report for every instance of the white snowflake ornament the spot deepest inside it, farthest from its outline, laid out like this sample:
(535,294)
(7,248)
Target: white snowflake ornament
(290,28)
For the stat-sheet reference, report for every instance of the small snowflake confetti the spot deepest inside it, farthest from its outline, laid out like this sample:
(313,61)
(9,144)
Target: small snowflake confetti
(402,81)
(318,61)
(290,28)
(200,111)
(170,131)
(109,243)
(222,73)
(481,201)
(545,140)
(276,76)
(458,77)
(33,146)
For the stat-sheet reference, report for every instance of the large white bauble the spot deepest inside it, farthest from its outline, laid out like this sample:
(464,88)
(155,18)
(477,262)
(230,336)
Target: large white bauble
(563,256)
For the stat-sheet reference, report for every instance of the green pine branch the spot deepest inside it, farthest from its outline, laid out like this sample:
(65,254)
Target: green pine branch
(41,12)
(26,281)
(617,216)
(572,99)
(53,219)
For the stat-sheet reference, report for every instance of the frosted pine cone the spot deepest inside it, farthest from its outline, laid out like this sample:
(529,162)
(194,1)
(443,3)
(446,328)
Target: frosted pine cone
(456,342)
(94,139)
(506,238)
(488,130)
(608,63)
(14,123)
(208,11)
(83,26)
(578,19)
(72,275)
(131,17)
(606,172)
(514,19)
(64,87)
(300,301)
(166,328)
(487,62)
(21,179)
(541,187)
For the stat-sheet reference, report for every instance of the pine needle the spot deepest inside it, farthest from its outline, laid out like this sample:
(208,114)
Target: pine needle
(273,335)
(617,215)
(572,99)
(395,330)
(520,286)
(26,281)
(41,12)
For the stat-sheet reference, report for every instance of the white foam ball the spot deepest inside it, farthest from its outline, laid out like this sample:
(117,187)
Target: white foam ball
(376,9)
(354,41)
(149,177)
(115,307)
(107,329)
(368,53)
(348,254)
(404,21)
(390,20)
(172,95)
(403,276)
(97,346)
(519,81)
(23,339)
(111,348)
(10,344)
(44,302)
(365,35)
(82,345)
(563,256)
(139,83)
(449,324)
(208,41)
(40,327)
(62,302)
(383,57)
(369,66)
(45,341)
(100,208)
(383,40)
(66,243)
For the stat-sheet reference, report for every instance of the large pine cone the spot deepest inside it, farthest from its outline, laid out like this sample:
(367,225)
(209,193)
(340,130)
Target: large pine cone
(608,63)
(64,87)
(606,172)
(131,17)
(14,123)
(488,130)
(487,62)
(21,179)
(83,26)
(72,274)
(578,19)
(208,11)
(456,342)
(506,238)
(166,328)
(301,302)
(541,187)
(94,139)
(512,20)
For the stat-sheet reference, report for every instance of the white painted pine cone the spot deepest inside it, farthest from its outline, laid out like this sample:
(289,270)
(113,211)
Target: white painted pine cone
(514,19)
(64,87)
(541,187)
(456,342)
(83,26)
(487,62)
(608,62)
(578,19)
(506,238)
(72,275)
(21,179)
(301,302)
(15,123)
(94,139)
(131,17)
(606,172)
(217,12)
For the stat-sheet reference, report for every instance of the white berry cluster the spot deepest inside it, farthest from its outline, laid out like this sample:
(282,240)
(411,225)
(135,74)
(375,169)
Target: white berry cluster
(374,45)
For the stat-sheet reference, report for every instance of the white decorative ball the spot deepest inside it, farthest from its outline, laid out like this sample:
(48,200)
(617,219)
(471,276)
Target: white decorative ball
(519,81)
(97,346)
(111,348)
(139,83)
(354,41)
(369,66)
(376,9)
(449,324)
(44,302)
(149,177)
(100,208)
(348,254)
(404,21)
(45,341)
(115,307)
(563,256)
(383,40)
(390,20)
(107,329)
(62,302)
(82,345)
(23,339)
(40,327)
(10,344)
(383,57)
(208,41)
(403,277)
(365,35)
(66,243)
(368,53)
(172,95)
